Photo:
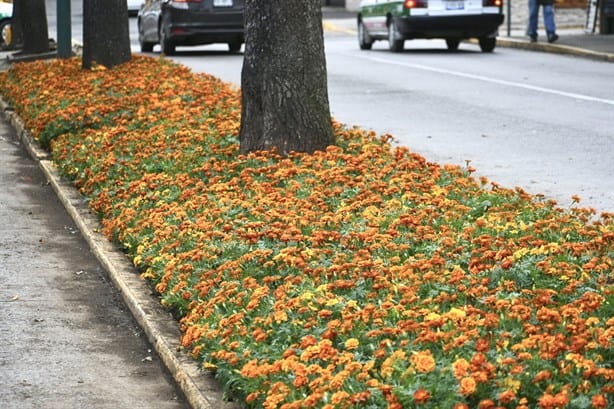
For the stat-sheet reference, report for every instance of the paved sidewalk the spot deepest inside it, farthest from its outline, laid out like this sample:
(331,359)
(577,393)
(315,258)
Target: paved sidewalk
(67,339)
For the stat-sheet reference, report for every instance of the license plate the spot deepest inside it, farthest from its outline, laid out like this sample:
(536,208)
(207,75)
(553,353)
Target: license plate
(455,5)
(222,3)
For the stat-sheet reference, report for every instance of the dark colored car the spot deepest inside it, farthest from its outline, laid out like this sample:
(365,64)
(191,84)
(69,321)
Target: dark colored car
(191,22)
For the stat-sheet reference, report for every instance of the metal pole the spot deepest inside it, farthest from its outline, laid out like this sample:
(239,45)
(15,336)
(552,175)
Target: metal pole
(509,18)
(64,29)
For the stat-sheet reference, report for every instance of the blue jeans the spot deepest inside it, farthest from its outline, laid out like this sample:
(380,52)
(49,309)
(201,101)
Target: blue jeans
(534,14)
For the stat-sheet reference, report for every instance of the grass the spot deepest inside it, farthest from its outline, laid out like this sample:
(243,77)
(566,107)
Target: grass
(363,276)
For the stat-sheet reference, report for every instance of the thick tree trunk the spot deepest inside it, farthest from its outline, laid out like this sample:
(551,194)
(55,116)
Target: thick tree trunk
(34,26)
(284,86)
(106,35)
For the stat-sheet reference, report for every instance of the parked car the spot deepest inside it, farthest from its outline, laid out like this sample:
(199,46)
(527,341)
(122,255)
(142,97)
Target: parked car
(452,20)
(191,22)
(6,13)
(134,6)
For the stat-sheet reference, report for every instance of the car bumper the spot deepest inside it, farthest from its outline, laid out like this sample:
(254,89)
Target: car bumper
(205,27)
(461,26)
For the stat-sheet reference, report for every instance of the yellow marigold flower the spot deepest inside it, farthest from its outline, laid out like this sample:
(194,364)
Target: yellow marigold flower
(280,316)
(457,313)
(351,344)
(432,316)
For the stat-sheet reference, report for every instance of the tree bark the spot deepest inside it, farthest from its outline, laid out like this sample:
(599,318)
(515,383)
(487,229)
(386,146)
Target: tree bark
(284,86)
(33,26)
(106,35)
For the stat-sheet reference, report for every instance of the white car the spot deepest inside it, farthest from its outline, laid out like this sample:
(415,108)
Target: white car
(452,20)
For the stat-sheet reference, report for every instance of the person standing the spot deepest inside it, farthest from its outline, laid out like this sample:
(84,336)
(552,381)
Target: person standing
(548,9)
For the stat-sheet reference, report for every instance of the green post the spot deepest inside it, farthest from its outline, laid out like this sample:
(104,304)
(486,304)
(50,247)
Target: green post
(64,29)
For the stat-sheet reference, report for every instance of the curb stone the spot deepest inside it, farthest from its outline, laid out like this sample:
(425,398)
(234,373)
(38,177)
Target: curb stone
(200,389)
(554,48)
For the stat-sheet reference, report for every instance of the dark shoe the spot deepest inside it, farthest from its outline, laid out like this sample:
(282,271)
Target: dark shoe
(552,37)
(533,39)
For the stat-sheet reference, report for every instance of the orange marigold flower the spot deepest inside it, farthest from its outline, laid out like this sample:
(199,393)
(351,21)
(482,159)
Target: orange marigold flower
(461,368)
(460,406)
(546,401)
(423,361)
(486,404)
(561,399)
(542,376)
(506,396)
(340,397)
(599,401)
(252,397)
(467,385)
(421,396)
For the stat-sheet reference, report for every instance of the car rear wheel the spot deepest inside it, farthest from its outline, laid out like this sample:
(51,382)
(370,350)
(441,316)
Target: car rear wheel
(234,46)
(452,43)
(168,48)
(364,39)
(146,47)
(5,28)
(395,42)
(487,44)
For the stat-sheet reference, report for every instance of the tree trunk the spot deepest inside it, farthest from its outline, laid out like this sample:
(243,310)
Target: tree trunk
(106,36)
(34,26)
(16,26)
(283,80)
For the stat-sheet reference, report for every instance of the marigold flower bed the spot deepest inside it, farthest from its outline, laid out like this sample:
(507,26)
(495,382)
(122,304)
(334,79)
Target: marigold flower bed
(363,276)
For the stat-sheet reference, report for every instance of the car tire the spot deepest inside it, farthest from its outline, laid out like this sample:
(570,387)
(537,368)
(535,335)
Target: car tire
(487,44)
(167,46)
(234,46)
(395,43)
(5,26)
(364,39)
(452,43)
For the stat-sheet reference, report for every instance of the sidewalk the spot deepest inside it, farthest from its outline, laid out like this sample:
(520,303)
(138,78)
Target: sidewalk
(67,340)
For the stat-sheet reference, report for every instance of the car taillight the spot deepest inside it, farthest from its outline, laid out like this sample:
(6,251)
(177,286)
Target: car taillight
(492,3)
(415,4)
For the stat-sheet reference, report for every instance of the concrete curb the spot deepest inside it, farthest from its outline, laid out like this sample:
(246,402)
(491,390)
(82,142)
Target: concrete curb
(200,389)
(554,48)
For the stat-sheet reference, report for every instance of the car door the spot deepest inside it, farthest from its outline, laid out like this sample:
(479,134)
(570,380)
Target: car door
(149,17)
(374,16)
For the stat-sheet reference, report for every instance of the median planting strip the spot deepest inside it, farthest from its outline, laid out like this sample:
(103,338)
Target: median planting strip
(361,276)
